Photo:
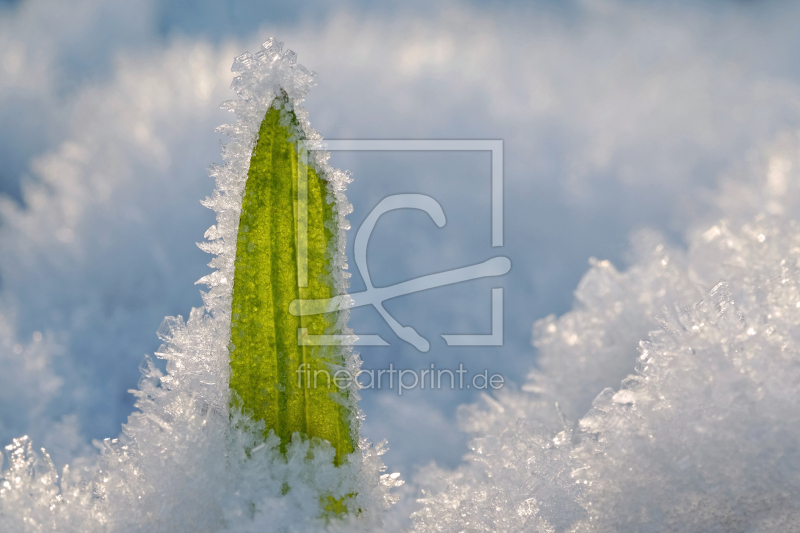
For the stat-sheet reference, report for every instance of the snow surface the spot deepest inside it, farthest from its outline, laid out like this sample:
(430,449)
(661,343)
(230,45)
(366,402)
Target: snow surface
(694,431)
(623,116)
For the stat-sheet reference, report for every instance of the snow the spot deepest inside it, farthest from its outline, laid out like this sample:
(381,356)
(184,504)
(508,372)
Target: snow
(185,460)
(616,116)
(695,430)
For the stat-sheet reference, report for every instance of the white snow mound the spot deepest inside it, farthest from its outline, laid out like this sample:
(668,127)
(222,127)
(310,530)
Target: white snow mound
(701,436)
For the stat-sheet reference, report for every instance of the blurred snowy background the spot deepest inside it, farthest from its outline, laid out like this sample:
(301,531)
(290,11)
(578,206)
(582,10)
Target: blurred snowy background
(616,116)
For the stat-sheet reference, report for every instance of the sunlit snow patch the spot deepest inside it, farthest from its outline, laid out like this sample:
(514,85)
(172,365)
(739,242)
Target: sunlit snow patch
(702,434)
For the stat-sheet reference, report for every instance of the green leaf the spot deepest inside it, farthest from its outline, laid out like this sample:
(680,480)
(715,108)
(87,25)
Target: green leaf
(290,387)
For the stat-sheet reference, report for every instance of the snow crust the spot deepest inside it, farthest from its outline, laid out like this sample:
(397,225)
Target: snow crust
(186,461)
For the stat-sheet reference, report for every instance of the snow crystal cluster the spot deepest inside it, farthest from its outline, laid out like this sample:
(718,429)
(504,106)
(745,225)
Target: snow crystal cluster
(186,460)
(694,431)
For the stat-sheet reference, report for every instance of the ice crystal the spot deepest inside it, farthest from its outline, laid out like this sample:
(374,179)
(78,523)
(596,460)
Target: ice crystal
(701,434)
(186,460)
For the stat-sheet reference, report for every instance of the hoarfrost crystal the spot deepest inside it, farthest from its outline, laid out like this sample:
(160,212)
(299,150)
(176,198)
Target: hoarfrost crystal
(701,437)
(186,461)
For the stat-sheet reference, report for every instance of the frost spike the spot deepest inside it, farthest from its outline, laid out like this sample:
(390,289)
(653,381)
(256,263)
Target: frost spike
(267,370)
